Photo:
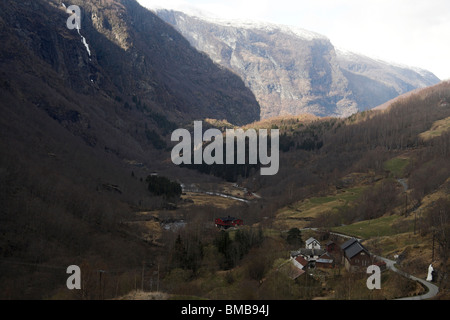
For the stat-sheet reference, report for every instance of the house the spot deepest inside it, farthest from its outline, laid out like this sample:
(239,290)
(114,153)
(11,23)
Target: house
(313,257)
(228,222)
(443,103)
(334,250)
(332,247)
(355,256)
(295,268)
(325,261)
(300,262)
(312,243)
(292,270)
(308,254)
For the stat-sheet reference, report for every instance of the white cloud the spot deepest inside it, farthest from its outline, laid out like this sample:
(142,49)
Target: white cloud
(412,32)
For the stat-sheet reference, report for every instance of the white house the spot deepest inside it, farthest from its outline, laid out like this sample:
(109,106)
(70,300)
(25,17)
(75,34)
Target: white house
(312,243)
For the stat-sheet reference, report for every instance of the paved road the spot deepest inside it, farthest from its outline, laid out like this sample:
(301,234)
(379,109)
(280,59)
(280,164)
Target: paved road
(432,289)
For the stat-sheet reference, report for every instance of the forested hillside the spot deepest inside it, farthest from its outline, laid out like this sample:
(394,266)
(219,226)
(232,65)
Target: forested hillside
(382,174)
(86,176)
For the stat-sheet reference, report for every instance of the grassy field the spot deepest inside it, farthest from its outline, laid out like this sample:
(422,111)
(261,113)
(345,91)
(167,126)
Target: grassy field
(380,227)
(437,129)
(397,166)
(201,199)
(301,213)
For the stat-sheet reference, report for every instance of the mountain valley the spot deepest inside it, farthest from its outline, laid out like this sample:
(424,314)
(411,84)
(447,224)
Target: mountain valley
(87,178)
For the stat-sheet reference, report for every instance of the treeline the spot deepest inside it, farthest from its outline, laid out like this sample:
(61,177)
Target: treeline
(233,251)
(238,264)
(396,128)
(163,186)
(436,223)
(154,138)
(380,136)
(228,172)
(360,143)
(308,138)
(188,251)
(364,140)
(363,143)
(373,203)
(431,167)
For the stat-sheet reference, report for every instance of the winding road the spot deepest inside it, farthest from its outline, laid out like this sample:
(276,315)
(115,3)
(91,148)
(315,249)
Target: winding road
(432,289)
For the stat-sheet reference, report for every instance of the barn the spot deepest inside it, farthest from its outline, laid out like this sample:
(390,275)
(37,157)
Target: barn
(356,257)
(325,261)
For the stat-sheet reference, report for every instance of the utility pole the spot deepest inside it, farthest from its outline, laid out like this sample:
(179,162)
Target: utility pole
(100,272)
(142,277)
(406,204)
(157,283)
(420,214)
(432,256)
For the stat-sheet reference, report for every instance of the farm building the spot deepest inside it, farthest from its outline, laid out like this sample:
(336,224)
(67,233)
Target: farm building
(300,262)
(312,256)
(355,256)
(292,270)
(332,247)
(325,261)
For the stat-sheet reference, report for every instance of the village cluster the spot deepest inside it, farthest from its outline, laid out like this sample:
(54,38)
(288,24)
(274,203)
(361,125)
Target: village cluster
(352,254)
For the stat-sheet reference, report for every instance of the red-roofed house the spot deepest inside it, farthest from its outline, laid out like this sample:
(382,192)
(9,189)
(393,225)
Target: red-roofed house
(300,262)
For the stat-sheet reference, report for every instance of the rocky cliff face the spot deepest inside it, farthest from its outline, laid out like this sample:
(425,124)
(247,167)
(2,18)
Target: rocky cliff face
(294,71)
(374,82)
(98,103)
(123,53)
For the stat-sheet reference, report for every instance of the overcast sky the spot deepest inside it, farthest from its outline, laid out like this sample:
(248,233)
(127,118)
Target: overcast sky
(410,32)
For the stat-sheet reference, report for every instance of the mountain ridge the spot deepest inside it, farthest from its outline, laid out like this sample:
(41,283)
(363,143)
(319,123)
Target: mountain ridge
(83,130)
(131,52)
(293,74)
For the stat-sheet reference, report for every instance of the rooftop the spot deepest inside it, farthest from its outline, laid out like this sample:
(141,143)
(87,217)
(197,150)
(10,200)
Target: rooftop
(352,247)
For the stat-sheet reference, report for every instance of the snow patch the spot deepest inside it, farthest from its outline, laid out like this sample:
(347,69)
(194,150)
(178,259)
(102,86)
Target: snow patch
(193,11)
(186,8)
(263,25)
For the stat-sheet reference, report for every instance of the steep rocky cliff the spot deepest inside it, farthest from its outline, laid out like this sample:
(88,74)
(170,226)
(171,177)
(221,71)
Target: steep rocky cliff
(293,71)
(123,55)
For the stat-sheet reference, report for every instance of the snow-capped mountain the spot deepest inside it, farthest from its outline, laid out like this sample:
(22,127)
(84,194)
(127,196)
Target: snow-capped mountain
(293,71)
